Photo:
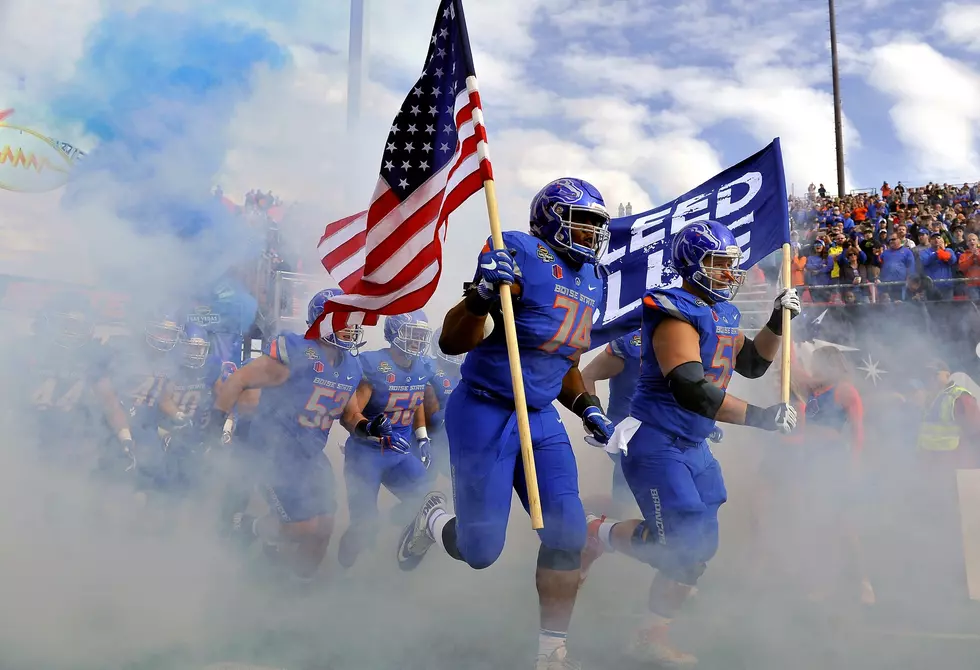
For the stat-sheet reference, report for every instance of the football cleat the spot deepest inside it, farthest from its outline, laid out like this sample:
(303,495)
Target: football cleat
(652,647)
(415,540)
(557,660)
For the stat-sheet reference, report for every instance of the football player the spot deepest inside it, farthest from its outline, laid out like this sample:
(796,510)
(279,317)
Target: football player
(395,387)
(305,386)
(556,287)
(829,470)
(56,377)
(619,362)
(192,391)
(131,385)
(445,380)
(691,345)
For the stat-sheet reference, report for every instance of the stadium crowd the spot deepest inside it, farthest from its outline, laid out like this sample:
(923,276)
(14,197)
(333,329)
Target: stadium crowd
(894,244)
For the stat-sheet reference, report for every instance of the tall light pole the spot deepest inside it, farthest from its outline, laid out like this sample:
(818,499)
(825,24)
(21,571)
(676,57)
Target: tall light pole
(355,60)
(838,115)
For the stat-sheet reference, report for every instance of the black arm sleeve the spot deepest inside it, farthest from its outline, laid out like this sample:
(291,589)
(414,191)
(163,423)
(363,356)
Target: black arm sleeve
(749,362)
(693,392)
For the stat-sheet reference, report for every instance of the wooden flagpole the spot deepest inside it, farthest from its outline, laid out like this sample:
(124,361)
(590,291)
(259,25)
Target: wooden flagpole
(516,376)
(787,335)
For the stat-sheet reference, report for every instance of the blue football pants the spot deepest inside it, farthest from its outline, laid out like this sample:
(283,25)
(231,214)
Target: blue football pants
(485,456)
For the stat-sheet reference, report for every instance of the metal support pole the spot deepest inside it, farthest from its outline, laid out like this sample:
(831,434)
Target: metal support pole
(355,60)
(838,115)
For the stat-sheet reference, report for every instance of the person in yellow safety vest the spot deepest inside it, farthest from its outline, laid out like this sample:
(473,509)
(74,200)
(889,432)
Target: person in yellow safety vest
(948,434)
(950,418)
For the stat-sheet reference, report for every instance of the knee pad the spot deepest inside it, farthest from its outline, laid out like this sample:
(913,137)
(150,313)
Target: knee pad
(675,560)
(559,559)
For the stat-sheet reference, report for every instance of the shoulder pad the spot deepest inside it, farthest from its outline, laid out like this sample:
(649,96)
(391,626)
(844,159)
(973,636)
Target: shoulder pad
(676,303)
(279,349)
(617,347)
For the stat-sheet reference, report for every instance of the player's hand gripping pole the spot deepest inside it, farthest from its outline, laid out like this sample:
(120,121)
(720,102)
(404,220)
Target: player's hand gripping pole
(516,378)
(787,277)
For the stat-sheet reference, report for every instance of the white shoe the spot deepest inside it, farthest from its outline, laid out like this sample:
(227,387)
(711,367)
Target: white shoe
(558,660)
(661,653)
(415,540)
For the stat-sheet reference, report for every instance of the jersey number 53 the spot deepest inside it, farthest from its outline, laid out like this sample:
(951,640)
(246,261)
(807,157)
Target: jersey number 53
(321,416)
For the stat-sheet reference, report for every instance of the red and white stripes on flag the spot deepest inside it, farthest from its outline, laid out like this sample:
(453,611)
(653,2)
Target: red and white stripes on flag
(388,259)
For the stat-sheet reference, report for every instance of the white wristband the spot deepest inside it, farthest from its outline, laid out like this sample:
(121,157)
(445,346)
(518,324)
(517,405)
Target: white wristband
(421,433)
(124,435)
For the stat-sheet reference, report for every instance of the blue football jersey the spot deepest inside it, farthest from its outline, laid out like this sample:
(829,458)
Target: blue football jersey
(138,375)
(296,416)
(622,386)
(226,314)
(395,391)
(58,386)
(823,409)
(192,391)
(444,381)
(717,327)
(553,316)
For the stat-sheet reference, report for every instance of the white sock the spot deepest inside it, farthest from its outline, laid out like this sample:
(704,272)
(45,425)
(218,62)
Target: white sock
(605,528)
(266,528)
(436,522)
(550,641)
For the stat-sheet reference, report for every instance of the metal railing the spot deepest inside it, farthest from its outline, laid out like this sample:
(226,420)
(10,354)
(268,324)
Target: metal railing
(868,292)
(291,294)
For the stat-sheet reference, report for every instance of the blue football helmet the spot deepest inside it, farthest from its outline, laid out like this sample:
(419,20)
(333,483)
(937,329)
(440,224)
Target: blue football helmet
(163,333)
(194,346)
(567,206)
(440,355)
(705,254)
(409,333)
(65,321)
(348,339)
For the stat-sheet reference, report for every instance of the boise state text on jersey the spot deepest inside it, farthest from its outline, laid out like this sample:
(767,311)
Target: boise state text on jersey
(396,391)
(553,316)
(622,386)
(296,416)
(718,329)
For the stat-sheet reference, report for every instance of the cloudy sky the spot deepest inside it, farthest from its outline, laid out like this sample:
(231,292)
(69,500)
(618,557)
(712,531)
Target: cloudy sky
(644,98)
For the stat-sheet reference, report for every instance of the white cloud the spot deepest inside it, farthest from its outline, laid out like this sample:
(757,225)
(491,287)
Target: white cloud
(767,101)
(961,24)
(938,122)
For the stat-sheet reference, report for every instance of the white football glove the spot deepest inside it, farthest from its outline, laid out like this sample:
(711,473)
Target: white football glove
(788,298)
(785,419)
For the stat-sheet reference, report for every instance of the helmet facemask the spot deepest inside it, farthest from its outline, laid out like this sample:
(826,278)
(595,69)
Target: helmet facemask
(163,335)
(194,351)
(582,221)
(69,330)
(456,360)
(719,275)
(350,338)
(413,339)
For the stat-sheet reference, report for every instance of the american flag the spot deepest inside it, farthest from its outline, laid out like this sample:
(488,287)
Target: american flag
(388,259)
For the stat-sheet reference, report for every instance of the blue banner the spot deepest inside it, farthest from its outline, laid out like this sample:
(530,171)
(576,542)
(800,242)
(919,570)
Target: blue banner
(750,198)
